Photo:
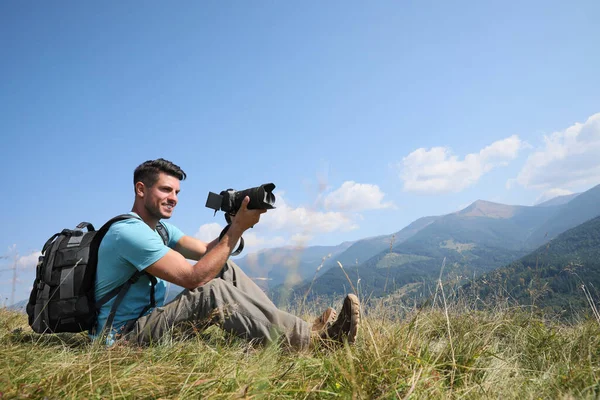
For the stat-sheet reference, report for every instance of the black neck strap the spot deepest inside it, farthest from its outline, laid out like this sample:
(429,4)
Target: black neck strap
(241,245)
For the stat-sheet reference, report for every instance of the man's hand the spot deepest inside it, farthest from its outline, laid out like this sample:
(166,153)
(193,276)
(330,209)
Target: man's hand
(245,218)
(174,268)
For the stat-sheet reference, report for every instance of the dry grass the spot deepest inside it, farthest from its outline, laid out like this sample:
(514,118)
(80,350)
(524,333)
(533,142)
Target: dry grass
(451,352)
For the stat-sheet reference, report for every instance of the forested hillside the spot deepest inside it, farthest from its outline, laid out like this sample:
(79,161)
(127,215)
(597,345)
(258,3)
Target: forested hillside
(552,276)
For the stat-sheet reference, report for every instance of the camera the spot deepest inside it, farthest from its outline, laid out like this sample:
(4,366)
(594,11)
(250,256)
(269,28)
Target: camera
(230,200)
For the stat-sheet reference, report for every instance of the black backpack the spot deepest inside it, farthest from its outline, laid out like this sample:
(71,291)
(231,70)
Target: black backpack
(62,298)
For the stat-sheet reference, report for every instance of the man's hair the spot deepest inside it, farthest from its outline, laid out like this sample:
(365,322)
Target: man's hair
(147,172)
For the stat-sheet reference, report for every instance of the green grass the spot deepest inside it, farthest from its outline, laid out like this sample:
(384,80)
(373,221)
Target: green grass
(504,353)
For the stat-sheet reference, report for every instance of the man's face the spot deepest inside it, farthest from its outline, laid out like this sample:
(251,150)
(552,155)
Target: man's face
(161,198)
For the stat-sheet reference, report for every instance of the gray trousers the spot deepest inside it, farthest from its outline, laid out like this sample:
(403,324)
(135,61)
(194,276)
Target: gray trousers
(231,300)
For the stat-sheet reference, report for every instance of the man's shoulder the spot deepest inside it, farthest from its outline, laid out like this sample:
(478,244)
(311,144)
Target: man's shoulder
(128,230)
(125,225)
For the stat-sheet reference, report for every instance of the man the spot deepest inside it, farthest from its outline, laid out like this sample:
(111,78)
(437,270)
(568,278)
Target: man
(217,290)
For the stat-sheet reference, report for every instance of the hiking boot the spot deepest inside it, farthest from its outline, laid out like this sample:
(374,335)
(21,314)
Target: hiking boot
(346,326)
(325,320)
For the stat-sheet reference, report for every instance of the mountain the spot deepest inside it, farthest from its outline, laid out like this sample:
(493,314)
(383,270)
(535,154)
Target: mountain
(482,208)
(272,267)
(580,209)
(550,277)
(477,239)
(361,250)
(487,223)
(559,200)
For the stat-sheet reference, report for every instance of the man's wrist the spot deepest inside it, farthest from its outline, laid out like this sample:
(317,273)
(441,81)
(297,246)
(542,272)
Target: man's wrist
(235,231)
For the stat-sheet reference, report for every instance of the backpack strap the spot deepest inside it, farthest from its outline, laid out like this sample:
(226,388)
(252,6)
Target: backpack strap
(162,231)
(160,228)
(121,291)
(49,242)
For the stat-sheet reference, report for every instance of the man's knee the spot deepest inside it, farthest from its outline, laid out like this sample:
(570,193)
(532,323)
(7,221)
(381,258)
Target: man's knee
(213,286)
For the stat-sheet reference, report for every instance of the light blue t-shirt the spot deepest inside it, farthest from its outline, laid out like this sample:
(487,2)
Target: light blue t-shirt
(129,246)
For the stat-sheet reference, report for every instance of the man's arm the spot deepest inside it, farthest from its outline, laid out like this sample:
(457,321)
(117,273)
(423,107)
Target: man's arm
(192,248)
(174,268)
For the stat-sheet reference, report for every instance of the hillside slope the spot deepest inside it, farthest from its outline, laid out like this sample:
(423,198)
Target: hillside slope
(577,211)
(550,277)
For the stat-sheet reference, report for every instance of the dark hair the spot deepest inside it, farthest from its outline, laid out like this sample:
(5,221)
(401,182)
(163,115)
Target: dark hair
(147,172)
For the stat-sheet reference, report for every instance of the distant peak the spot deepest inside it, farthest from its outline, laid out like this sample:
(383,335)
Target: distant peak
(484,208)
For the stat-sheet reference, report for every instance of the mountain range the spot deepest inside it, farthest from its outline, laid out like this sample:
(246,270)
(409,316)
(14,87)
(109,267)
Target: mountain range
(272,267)
(472,241)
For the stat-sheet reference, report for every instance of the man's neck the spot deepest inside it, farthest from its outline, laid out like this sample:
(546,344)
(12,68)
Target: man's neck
(148,219)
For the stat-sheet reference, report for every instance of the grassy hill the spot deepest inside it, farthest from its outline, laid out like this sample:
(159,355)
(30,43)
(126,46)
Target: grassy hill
(430,353)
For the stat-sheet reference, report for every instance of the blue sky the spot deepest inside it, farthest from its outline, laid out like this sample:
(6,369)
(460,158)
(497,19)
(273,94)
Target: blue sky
(365,116)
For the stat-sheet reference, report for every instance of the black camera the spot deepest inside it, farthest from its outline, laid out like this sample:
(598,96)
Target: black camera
(230,200)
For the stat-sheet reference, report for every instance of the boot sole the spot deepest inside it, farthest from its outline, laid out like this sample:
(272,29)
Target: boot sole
(354,306)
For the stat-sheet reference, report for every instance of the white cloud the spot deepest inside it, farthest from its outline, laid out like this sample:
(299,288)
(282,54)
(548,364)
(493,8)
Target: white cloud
(254,241)
(300,239)
(567,159)
(287,225)
(290,219)
(28,261)
(510,183)
(438,171)
(552,193)
(352,196)
(305,220)
(209,232)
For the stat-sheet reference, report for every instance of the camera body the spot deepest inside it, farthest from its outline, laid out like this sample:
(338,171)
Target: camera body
(230,200)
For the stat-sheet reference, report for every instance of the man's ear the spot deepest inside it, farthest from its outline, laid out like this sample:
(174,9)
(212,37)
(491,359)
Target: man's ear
(140,189)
